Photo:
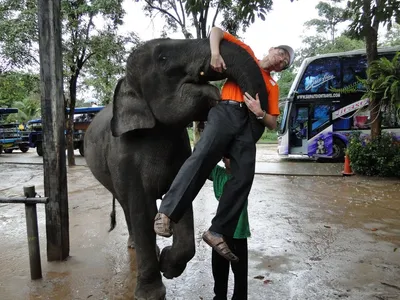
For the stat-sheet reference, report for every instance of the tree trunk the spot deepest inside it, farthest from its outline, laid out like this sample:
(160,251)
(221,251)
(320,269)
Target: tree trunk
(196,132)
(371,40)
(70,120)
(201,33)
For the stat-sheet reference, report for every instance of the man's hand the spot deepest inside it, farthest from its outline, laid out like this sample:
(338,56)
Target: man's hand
(253,104)
(217,63)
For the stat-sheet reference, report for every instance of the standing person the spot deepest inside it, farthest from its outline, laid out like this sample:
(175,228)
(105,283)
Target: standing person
(229,131)
(238,244)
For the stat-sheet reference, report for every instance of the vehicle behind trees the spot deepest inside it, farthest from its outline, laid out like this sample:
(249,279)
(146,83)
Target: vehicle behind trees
(83,116)
(10,133)
(325,106)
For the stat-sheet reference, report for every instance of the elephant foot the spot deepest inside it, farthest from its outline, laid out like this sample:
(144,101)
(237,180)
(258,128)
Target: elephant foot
(150,291)
(169,266)
(131,242)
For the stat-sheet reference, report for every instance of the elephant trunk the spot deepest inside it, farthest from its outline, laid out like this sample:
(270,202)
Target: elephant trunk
(240,67)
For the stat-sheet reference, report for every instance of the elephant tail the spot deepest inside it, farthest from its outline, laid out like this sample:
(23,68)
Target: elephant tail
(113,220)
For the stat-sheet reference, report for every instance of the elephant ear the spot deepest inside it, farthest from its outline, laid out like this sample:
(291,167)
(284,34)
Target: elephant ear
(130,111)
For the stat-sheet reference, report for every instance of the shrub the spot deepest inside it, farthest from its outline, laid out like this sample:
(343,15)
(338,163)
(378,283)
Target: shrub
(379,156)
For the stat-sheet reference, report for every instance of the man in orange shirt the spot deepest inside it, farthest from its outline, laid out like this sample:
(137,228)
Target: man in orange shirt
(233,127)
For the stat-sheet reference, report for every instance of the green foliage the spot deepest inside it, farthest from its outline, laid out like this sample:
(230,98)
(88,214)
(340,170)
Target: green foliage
(383,80)
(330,16)
(352,88)
(285,80)
(16,86)
(103,70)
(28,108)
(18,33)
(315,45)
(392,37)
(379,156)
(92,46)
(184,14)
(368,14)
(269,136)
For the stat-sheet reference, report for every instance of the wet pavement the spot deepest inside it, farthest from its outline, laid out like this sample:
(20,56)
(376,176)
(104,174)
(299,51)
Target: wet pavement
(268,162)
(313,237)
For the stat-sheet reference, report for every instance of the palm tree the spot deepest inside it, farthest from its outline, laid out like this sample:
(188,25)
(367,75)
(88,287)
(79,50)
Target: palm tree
(383,82)
(28,108)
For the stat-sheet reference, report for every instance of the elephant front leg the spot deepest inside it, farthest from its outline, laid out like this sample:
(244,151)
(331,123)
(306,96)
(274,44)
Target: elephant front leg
(174,258)
(149,283)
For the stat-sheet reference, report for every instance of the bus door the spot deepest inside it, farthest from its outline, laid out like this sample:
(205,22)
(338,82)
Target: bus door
(320,142)
(298,129)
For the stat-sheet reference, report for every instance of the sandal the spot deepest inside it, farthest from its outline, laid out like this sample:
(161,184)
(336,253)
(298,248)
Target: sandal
(220,246)
(162,225)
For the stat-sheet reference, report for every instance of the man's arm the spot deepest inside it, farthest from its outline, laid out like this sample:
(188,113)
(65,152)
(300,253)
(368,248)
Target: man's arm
(217,62)
(254,105)
(268,120)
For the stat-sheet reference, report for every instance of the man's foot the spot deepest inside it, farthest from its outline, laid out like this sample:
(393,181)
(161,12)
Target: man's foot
(162,225)
(216,241)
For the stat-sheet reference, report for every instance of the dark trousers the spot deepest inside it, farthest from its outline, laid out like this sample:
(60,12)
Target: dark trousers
(228,132)
(220,269)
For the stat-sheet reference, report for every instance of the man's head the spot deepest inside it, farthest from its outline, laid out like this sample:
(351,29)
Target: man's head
(278,58)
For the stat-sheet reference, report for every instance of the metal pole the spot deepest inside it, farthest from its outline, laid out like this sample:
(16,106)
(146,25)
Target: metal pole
(33,235)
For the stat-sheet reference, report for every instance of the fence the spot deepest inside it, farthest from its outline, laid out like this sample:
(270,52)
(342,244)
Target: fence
(30,200)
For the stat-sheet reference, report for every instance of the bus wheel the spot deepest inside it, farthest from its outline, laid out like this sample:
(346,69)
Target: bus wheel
(39,149)
(8,150)
(81,150)
(338,149)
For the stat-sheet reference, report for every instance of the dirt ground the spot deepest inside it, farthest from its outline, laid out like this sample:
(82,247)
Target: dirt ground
(313,237)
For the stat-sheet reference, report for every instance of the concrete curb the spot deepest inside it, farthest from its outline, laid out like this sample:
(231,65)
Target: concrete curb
(298,174)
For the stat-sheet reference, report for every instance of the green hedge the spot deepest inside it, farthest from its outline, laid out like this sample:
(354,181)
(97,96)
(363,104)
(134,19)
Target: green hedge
(269,136)
(375,157)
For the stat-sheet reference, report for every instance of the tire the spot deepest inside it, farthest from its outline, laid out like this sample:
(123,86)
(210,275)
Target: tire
(81,150)
(1,149)
(338,149)
(8,150)
(24,149)
(39,149)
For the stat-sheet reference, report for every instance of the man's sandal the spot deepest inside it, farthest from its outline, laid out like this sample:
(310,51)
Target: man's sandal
(162,225)
(220,246)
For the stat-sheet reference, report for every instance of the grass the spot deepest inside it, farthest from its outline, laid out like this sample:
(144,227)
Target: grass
(268,137)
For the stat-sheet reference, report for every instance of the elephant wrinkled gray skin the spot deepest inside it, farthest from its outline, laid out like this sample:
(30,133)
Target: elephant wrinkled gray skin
(136,145)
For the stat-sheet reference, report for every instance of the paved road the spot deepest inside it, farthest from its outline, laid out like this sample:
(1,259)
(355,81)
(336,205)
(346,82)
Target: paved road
(312,238)
(268,162)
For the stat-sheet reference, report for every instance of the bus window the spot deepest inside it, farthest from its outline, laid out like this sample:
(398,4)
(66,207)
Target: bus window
(320,116)
(354,67)
(342,124)
(321,75)
(284,117)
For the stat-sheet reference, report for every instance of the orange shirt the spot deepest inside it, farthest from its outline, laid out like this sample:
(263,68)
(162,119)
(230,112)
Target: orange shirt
(231,91)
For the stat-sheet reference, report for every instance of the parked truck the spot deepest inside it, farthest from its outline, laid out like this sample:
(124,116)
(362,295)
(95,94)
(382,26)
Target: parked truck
(10,135)
(83,116)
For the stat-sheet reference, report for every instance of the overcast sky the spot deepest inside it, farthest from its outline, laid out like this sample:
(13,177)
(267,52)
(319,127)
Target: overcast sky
(283,25)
